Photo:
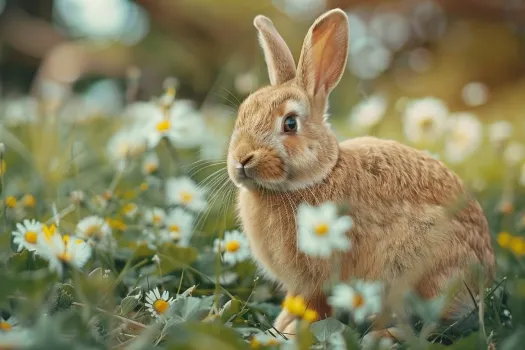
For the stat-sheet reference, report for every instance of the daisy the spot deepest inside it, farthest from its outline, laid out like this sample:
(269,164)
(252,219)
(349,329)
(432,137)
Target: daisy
(158,304)
(140,113)
(184,191)
(150,163)
(371,342)
(265,339)
(94,229)
(424,120)
(514,153)
(130,210)
(7,324)
(128,143)
(464,137)
(362,299)
(60,250)
(320,230)
(155,217)
(17,339)
(234,247)
(499,132)
(27,235)
(179,226)
(369,112)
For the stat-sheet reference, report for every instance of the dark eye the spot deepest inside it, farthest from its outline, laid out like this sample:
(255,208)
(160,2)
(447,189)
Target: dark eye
(290,124)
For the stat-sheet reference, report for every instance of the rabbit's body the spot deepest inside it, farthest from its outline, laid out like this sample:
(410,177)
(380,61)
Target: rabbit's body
(400,221)
(283,152)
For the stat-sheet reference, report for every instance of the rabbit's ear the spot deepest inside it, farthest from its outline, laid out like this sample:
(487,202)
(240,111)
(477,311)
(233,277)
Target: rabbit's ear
(324,53)
(279,59)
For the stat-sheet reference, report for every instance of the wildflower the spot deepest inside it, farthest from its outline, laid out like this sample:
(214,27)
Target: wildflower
(179,224)
(514,153)
(95,230)
(424,120)
(143,186)
(150,164)
(517,245)
(475,94)
(77,196)
(29,201)
(155,217)
(27,235)
(127,143)
(17,338)
(500,132)
(130,210)
(158,304)
(184,191)
(183,126)
(464,137)
(7,325)
(371,342)
(369,112)
(504,239)
(320,230)
(116,224)
(264,339)
(296,305)
(362,299)
(10,201)
(60,250)
(234,247)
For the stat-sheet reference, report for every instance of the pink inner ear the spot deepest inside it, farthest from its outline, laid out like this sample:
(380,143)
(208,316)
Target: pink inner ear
(323,53)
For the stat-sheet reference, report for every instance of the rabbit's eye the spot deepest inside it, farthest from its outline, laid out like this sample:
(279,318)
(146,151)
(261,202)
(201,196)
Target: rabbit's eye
(290,124)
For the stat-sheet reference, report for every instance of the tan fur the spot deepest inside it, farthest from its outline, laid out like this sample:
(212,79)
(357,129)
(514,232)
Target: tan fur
(397,196)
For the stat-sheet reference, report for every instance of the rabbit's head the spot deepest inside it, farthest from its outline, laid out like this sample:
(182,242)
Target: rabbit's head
(281,139)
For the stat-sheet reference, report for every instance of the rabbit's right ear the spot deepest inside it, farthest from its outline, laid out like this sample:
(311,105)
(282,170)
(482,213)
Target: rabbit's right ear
(279,59)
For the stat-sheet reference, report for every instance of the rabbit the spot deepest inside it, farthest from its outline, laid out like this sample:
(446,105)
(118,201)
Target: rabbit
(282,152)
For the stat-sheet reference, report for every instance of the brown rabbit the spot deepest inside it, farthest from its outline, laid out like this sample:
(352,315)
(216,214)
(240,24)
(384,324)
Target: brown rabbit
(282,153)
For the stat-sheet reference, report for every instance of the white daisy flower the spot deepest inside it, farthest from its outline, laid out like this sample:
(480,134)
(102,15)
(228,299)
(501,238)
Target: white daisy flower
(130,210)
(499,132)
(27,235)
(126,144)
(8,324)
(265,339)
(362,299)
(158,304)
(77,196)
(18,338)
(95,229)
(464,137)
(425,120)
(371,342)
(179,226)
(19,111)
(150,163)
(234,247)
(149,239)
(156,217)
(514,153)
(182,125)
(368,112)
(60,250)
(320,230)
(140,113)
(185,192)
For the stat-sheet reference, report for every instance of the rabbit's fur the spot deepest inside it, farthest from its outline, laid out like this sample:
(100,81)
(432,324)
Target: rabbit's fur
(398,197)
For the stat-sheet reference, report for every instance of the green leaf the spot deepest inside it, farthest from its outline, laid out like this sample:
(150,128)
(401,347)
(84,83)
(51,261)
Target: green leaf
(190,308)
(197,335)
(515,341)
(471,342)
(324,329)
(231,309)
(173,257)
(128,304)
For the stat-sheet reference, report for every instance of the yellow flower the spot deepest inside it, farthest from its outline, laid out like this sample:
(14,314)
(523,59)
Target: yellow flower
(517,245)
(504,239)
(10,202)
(295,305)
(143,186)
(116,224)
(310,315)
(29,201)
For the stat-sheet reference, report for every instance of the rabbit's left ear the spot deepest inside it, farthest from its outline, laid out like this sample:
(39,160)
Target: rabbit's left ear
(279,59)
(324,53)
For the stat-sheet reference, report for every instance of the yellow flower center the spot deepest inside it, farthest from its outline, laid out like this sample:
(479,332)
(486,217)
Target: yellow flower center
(460,137)
(321,229)
(163,126)
(129,208)
(29,201)
(426,123)
(157,219)
(151,168)
(5,326)
(49,231)
(357,301)
(160,306)
(255,344)
(10,202)
(93,230)
(233,246)
(30,237)
(143,186)
(504,239)
(123,149)
(186,197)
(65,257)
(273,342)
(174,228)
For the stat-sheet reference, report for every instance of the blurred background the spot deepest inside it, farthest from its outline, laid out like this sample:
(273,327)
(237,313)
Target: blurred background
(468,53)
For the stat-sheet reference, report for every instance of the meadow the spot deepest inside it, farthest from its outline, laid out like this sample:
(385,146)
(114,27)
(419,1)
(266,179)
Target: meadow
(117,221)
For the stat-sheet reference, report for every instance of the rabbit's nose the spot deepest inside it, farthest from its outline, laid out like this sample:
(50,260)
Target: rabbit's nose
(246,159)
(241,166)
